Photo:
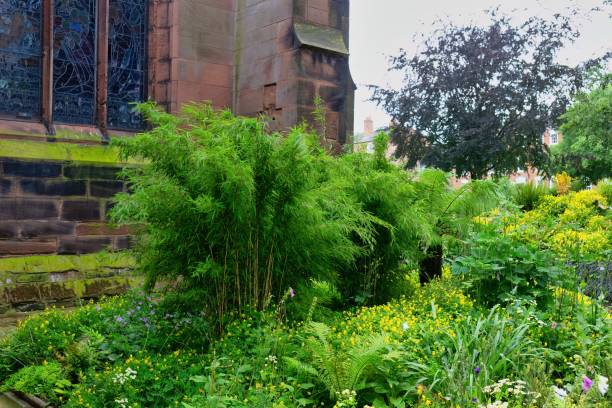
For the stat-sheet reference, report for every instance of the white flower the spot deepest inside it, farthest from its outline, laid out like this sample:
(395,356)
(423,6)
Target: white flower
(405,326)
(121,378)
(560,393)
(122,402)
(498,404)
(602,384)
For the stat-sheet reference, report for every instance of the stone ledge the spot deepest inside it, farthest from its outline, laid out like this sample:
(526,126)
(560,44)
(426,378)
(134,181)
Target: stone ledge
(67,152)
(66,263)
(36,282)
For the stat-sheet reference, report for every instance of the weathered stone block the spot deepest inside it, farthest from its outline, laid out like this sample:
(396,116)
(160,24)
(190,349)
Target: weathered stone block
(321,65)
(306,92)
(24,293)
(80,245)
(91,172)
(30,307)
(9,229)
(24,209)
(5,186)
(29,277)
(31,229)
(54,187)
(56,291)
(100,229)
(122,243)
(318,16)
(84,210)
(31,169)
(13,247)
(334,97)
(105,188)
(99,287)
(64,276)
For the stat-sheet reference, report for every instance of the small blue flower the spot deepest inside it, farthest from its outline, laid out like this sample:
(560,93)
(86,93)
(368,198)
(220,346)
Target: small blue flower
(477,370)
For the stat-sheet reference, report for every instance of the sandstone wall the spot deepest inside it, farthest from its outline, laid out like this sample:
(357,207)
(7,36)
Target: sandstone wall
(57,207)
(35,282)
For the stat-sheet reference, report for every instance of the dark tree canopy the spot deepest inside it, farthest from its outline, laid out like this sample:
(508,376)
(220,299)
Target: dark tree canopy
(478,99)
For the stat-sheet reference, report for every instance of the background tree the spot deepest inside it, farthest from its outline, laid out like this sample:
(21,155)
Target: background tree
(477,99)
(586,149)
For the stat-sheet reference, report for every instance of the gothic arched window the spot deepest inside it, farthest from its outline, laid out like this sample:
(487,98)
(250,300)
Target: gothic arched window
(77,62)
(20,58)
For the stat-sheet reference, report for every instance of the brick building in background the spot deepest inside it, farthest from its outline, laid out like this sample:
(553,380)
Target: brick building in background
(364,142)
(69,70)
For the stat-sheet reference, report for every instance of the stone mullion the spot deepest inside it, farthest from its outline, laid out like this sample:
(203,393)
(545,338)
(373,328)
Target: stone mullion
(102,68)
(47,66)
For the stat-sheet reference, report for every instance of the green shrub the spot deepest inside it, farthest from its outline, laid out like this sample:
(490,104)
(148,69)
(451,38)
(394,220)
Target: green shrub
(605,189)
(239,214)
(105,332)
(498,268)
(527,196)
(46,381)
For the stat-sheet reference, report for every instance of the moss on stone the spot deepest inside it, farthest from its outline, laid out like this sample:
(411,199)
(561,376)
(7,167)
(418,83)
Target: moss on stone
(77,286)
(93,154)
(63,263)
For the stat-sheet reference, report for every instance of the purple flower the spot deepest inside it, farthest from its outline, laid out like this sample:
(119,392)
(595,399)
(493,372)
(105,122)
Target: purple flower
(477,370)
(475,400)
(120,319)
(587,383)
(97,308)
(291,292)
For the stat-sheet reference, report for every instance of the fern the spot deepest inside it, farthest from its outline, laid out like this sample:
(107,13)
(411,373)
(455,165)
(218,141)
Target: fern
(339,368)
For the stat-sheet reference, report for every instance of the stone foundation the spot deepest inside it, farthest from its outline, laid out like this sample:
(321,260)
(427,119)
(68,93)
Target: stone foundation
(54,204)
(35,282)
(59,206)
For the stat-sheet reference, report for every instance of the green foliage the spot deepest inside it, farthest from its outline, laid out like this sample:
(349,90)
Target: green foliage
(388,195)
(107,332)
(604,187)
(46,381)
(527,196)
(239,214)
(498,268)
(449,210)
(480,350)
(274,241)
(586,148)
(339,369)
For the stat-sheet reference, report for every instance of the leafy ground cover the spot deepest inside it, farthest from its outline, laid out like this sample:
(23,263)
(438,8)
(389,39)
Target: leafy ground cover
(287,277)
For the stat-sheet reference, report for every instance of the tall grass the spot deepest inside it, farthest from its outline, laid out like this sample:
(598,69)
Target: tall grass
(527,196)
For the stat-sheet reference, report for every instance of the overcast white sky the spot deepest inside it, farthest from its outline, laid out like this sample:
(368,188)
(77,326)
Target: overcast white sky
(379,28)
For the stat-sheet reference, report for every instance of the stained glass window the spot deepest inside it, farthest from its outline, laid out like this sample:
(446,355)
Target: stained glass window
(20,57)
(126,62)
(74,61)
